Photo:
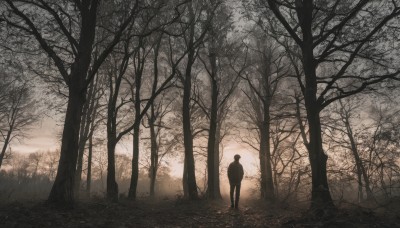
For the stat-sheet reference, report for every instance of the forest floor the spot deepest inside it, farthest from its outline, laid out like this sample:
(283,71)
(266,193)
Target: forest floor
(181,213)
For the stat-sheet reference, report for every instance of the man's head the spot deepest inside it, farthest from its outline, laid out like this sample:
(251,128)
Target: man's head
(237,157)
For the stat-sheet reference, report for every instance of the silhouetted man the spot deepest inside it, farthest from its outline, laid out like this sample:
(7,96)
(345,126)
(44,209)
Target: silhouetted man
(235,176)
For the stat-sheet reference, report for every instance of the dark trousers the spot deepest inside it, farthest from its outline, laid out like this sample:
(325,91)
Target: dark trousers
(237,195)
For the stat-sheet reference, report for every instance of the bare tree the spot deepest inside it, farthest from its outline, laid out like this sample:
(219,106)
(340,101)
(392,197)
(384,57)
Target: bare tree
(263,80)
(118,98)
(198,27)
(161,142)
(343,116)
(18,111)
(66,32)
(142,105)
(90,120)
(336,35)
(380,149)
(223,57)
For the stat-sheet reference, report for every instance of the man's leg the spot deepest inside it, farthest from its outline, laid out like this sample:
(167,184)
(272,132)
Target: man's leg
(237,195)
(231,193)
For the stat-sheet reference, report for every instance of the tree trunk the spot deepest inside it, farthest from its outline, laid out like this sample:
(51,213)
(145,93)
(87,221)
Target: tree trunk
(62,191)
(89,166)
(84,134)
(354,150)
(153,135)
(263,178)
(361,173)
(136,132)
(135,162)
(211,169)
(187,131)
(112,186)
(184,181)
(217,190)
(370,195)
(81,151)
(136,129)
(276,185)
(153,175)
(14,113)
(154,152)
(267,185)
(188,139)
(5,145)
(269,188)
(320,196)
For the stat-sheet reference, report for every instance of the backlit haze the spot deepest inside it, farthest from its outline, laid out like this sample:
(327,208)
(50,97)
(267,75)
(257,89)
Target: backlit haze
(45,136)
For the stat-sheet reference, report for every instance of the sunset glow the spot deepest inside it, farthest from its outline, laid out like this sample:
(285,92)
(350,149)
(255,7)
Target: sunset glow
(199,113)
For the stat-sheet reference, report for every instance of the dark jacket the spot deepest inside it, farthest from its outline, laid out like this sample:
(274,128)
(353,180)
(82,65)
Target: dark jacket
(235,173)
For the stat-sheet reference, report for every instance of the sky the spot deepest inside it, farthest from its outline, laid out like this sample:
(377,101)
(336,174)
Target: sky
(44,136)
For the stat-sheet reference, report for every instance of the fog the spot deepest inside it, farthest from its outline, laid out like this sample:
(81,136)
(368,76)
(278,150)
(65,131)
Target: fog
(24,183)
(29,176)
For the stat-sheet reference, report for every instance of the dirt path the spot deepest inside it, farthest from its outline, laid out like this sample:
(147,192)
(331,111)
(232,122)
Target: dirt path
(173,213)
(165,213)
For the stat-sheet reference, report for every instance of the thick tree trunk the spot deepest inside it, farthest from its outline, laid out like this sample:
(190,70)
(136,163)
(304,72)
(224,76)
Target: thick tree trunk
(188,138)
(62,191)
(136,133)
(153,176)
(268,90)
(184,181)
(188,141)
(320,196)
(269,184)
(190,175)
(112,186)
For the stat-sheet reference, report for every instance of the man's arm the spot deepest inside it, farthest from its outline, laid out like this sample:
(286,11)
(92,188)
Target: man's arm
(241,173)
(230,171)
